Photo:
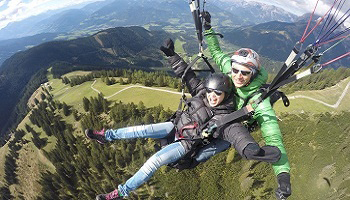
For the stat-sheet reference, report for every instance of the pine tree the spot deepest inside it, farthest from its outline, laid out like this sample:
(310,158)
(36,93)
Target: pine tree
(38,142)
(160,81)
(76,115)
(121,81)
(66,109)
(10,167)
(113,81)
(86,104)
(36,101)
(148,118)
(43,96)
(28,128)
(108,81)
(5,193)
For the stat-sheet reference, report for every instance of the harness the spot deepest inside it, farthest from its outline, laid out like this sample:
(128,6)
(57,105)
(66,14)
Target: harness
(192,120)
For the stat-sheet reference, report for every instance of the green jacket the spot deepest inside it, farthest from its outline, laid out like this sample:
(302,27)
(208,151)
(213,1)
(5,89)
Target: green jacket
(264,113)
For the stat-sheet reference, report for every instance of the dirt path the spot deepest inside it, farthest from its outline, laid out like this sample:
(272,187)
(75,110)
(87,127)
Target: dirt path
(134,86)
(324,103)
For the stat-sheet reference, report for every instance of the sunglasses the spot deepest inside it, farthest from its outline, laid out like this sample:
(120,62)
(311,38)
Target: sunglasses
(217,92)
(243,72)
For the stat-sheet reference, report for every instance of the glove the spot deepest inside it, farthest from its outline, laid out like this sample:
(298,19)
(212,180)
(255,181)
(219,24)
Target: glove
(168,48)
(207,20)
(284,189)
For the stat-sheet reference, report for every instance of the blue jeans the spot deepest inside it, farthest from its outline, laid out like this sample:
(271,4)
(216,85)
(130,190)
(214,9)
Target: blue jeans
(159,130)
(166,155)
(169,154)
(214,147)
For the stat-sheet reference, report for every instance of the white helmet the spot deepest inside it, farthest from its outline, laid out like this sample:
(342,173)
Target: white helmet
(247,57)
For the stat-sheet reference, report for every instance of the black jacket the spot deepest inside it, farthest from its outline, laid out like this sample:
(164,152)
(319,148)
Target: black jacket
(198,114)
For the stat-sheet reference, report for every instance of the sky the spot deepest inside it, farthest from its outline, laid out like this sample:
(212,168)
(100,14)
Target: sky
(16,10)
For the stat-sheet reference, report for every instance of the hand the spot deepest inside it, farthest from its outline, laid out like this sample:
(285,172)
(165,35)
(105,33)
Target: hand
(284,189)
(168,48)
(250,108)
(207,20)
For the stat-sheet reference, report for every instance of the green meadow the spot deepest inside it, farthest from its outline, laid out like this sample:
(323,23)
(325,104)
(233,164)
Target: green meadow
(73,96)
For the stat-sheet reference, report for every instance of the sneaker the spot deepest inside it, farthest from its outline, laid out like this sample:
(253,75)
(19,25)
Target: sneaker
(96,135)
(114,195)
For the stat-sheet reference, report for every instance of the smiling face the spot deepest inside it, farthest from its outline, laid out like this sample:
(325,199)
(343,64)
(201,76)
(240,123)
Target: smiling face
(240,74)
(215,97)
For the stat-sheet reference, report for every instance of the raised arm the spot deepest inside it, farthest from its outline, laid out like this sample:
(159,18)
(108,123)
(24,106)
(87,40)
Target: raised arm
(193,83)
(221,59)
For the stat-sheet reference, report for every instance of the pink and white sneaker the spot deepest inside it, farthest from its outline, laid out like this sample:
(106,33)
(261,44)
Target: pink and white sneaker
(96,135)
(114,195)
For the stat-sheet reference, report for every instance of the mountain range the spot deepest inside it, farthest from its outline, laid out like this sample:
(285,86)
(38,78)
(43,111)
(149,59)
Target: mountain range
(254,12)
(106,14)
(71,23)
(276,39)
(12,46)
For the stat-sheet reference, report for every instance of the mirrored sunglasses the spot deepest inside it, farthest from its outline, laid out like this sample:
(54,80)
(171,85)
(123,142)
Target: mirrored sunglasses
(243,72)
(217,92)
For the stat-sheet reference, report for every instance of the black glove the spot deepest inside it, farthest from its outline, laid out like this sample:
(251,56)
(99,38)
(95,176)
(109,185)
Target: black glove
(168,48)
(284,189)
(207,20)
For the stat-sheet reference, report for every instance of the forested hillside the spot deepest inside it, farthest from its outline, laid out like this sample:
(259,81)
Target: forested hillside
(49,156)
(112,48)
(85,168)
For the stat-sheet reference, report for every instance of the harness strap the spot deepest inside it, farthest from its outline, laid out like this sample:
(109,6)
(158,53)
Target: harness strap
(238,115)
(219,34)
(188,126)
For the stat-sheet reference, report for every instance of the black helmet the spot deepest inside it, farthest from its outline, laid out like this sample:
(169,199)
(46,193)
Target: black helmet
(219,81)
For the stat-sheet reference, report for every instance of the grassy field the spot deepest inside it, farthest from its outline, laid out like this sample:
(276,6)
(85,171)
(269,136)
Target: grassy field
(76,73)
(73,96)
(178,46)
(149,97)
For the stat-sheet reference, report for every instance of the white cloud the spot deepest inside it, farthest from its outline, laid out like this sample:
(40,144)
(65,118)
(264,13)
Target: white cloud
(18,10)
(2,2)
(300,7)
